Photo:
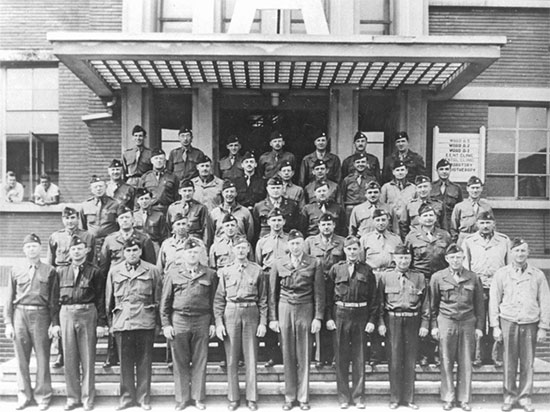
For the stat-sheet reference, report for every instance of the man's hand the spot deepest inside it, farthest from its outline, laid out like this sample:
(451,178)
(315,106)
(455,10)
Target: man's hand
(212,331)
(315,326)
(541,335)
(497,334)
(382,330)
(220,331)
(274,326)
(261,330)
(100,331)
(54,332)
(331,325)
(435,333)
(478,333)
(423,332)
(9,332)
(168,332)
(369,328)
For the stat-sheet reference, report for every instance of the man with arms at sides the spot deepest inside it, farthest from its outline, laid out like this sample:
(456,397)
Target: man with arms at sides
(321,204)
(150,221)
(413,161)
(230,167)
(320,174)
(361,220)
(250,185)
(446,191)
(183,160)
(270,162)
(116,187)
(360,140)
(398,192)
(354,185)
(208,188)
(331,161)
(137,160)
(290,190)
(160,182)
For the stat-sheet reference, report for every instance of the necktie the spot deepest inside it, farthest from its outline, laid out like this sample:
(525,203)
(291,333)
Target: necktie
(184,156)
(276,157)
(351,268)
(295,262)
(138,154)
(359,180)
(476,208)
(456,277)
(324,207)
(232,160)
(76,271)
(32,271)
(248,181)
(443,187)
(430,236)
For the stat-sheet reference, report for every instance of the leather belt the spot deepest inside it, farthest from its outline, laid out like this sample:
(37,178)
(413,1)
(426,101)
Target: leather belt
(32,307)
(403,314)
(351,304)
(242,304)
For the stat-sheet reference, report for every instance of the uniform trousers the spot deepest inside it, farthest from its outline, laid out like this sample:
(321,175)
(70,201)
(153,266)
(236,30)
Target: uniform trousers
(349,343)
(135,350)
(241,324)
(271,339)
(31,325)
(189,353)
(519,345)
(297,342)
(456,344)
(487,341)
(78,332)
(402,349)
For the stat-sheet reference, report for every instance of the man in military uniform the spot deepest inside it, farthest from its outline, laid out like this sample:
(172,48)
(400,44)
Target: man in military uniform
(428,244)
(137,160)
(240,310)
(519,313)
(31,315)
(250,185)
(320,205)
(465,213)
(270,162)
(361,221)
(328,247)
(319,169)
(414,162)
(331,161)
(274,199)
(186,313)
(446,191)
(98,213)
(208,188)
(183,160)
(82,319)
(230,167)
(405,316)
(160,182)
(122,192)
(196,213)
(409,217)
(485,252)
(290,190)
(398,192)
(296,312)
(221,251)
(354,185)
(132,296)
(269,248)
(148,220)
(360,140)
(351,310)
(458,317)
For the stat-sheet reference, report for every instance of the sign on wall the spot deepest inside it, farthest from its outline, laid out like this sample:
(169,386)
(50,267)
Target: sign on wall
(465,151)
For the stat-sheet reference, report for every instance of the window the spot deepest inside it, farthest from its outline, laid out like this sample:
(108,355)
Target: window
(176,16)
(374,17)
(227,7)
(517,152)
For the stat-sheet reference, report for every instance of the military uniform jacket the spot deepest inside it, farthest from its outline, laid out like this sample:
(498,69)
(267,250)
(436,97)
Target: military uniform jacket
(428,255)
(354,193)
(226,170)
(241,285)
(357,287)
(450,198)
(485,257)
(289,209)
(457,301)
(294,192)
(306,284)
(373,166)
(99,219)
(249,195)
(464,217)
(333,192)
(398,198)
(164,187)
(171,252)
(122,192)
(187,292)
(184,169)
(245,222)
(209,191)
(377,248)
(271,247)
(197,215)
(87,287)
(59,242)
(409,217)
(132,297)
(312,212)
(328,252)
(153,223)
(361,221)
(413,161)
(270,163)
(332,161)
(111,251)
(136,162)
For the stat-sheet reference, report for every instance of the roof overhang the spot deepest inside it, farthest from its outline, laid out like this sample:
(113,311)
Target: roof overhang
(106,62)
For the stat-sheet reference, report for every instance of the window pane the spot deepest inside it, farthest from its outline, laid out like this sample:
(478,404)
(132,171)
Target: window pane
(499,186)
(500,163)
(19,79)
(373,29)
(228,7)
(45,79)
(534,186)
(532,163)
(45,100)
(533,141)
(532,117)
(19,100)
(177,26)
(177,9)
(502,116)
(45,122)
(18,122)
(373,10)
(501,141)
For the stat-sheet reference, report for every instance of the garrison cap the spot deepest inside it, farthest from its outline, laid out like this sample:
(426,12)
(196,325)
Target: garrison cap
(327,217)
(69,211)
(452,249)
(203,159)
(400,135)
(185,129)
(131,242)
(422,179)
(425,208)
(379,213)
(178,216)
(275,135)
(75,241)
(402,250)
(319,162)
(286,163)
(275,212)
(359,156)
(275,181)
(115,163)
(294,234)
(397,163)
(137,128)
(228,184)
(373,184)
(96,178)
(518,241)
(359,135)
(232,139)
(32,238)
(474,180)
(351,240)
(186,183)
(317,133)
(239,239)
(485,215)
(442,163)
(157,151)
(248,155)
(320,183)
(191,243)
(229,218)
(122,210)
(142,191)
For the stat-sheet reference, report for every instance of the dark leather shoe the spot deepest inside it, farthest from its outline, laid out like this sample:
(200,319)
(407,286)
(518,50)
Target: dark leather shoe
(394,405)
(252,405)
(528,408)
(319,365)
(146,407)
(507,407)
(498,364)
(108,364)
(305,406)
(223,364)
(270,363)
(477,363)
(287,406)
(447,406)
(170,365)
(233,406)
(465,406)
(412,405)
(71,406)
(344,405)
(200,405)
(240,363)
(424,361)
(58,362)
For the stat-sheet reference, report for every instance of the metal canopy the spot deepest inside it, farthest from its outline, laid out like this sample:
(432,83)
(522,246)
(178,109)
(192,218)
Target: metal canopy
(107,62)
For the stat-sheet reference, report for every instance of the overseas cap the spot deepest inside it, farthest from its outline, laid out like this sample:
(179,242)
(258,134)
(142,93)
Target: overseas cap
(275,181)
(96,178)
(186,183)
(400,135)
(239,239)
(422,179)
(157,152)
(518,241)
(122,210)
(133,241)
(359,156)
(178,216)
(485,215)
(275,212)
(359,135)
(425,208)
(320,183)
(402,250)
(275,135)
(442,163)
(185,129)
(327,217)
(248,155)
(137,128)
(295,234)
(142,191)
(228,184)
(351,240)
(75,241)
(32,238)
(379,212)
(203,159)
(229,218)
(115,163)
(373,184)
(319,162)
(286,163)
(397,163)
(474,180)
(191,243)
(452,249)
(232,139)
(69,211)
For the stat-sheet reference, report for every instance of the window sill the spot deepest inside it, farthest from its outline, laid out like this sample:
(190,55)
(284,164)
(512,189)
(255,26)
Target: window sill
(518,204)
(29,207)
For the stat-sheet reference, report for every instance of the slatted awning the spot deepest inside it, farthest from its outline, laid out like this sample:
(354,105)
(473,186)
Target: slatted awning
(107,62)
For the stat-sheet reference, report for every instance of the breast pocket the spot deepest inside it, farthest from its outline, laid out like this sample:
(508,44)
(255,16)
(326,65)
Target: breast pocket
(231,287)
(285,280)
(415,294)
(144,285)
(203,286)
(468,292)
(448,293)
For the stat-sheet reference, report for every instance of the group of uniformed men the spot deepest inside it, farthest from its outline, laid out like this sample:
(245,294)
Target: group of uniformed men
(247,254)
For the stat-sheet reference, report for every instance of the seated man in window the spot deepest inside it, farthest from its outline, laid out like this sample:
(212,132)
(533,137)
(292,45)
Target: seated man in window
(46,193)
(11,191)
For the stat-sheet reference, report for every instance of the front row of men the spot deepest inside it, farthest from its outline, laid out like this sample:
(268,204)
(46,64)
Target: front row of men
(240,301)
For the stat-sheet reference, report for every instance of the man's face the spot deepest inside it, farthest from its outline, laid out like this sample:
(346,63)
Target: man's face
(474,191)
(192,256)
(424,189)
(400,172)
(427,219)
(70,222)
(249,165)
(230,228)
(179,227)
(321,143)
(144,201)
(520,254)
(402,144)
(31,250)
(373,195)
(187,193)
(402,262)
(352,252)
(78,252)
(132,254)
(455,260)
(241,250)
(360,164)
(11,181)
(158,161)
(234,148)
(321,193)
(98,188)
(139,138)
(185,139)
(276,223)
(275,191)
(125,221)
(296,246)
(277,144)
(286,173)
(320,172)
(204,169)
(361,144)
(229,195)
(381,223)
(444,172)
(45,183)
(115,173)
(486,227)
(327,227)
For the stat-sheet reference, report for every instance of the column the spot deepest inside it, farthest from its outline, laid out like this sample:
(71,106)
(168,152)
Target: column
(203,119)
(413,108)
(410,17)
(137,108)
(139,16)
(343,119)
